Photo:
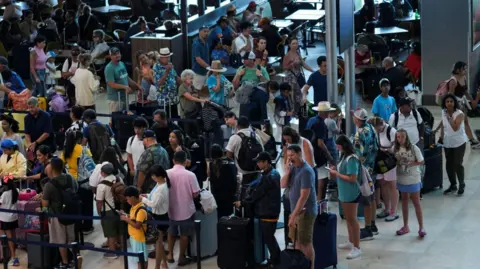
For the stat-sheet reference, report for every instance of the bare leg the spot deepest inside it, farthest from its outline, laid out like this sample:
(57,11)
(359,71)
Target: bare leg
(386,195)
(171,245)
(415,197)
(350,211)
(405,208)
(393,194)
(309,252)
(160,256)
(183,248)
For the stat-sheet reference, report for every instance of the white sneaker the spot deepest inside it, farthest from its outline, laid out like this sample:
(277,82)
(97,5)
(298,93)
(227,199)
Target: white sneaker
(346,245)
(355,253)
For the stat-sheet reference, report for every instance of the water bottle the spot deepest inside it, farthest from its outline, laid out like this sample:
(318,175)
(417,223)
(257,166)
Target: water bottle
(112,141)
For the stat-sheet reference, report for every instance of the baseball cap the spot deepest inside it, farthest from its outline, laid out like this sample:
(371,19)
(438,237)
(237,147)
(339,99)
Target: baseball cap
(8,144)
(384,81)
(107,168)
(114,50)
(263,156)
(149,134)
(249,56)
(360,114)
(405,101)
(3,60)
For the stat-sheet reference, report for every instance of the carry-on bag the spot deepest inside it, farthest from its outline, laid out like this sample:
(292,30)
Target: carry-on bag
(232,242)
(293,258)
(433,169)
(325,238)
(208,235)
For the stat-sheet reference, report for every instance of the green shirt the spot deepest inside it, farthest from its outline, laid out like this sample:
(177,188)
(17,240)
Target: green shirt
(348,191)
(116,73)
(251,74)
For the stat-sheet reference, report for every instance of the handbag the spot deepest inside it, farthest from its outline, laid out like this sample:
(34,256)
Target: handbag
(384,162)
(301,81)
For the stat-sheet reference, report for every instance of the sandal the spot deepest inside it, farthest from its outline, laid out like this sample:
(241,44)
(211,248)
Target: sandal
(403,230)
(172,260)
(422,233)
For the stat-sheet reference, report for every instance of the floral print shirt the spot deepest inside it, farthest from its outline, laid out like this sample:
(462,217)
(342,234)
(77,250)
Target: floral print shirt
(155,154)
(167,93)
(365,144)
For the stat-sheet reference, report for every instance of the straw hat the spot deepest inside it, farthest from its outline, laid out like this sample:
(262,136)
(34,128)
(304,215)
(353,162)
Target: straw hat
(217,66)
(165,52)
(324,106)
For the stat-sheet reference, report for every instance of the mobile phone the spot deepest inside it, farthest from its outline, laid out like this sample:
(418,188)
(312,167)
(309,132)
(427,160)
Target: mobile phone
(328,168)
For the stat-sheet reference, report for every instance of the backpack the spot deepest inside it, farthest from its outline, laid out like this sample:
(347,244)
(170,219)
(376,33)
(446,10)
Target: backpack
(151,232)
(70,201)
(85,165)
(99,139)
(442,90)
(118,190)
(364,180)
(242,95)
(249,150)
(415,115)
(427,116)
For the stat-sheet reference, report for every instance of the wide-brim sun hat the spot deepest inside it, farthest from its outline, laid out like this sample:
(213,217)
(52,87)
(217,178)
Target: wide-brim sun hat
(324,106)
(217,66)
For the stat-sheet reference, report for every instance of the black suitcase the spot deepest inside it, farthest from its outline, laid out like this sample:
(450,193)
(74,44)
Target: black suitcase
(293,259)
(34,253)
(232,242)
(122,127)
(433,169)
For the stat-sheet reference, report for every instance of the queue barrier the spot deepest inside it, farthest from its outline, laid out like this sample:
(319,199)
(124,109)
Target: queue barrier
(79,244)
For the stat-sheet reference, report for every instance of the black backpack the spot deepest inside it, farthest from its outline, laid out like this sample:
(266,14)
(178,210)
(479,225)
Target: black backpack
(426,116)
(99,140)
(151,232)
(249,150)
(415,115)
(70,200)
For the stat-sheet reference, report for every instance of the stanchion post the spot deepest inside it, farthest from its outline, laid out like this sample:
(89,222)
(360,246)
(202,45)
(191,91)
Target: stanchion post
(141,259)
(124,244)
(198,238)
(5,251)
(42,238)
(76,252)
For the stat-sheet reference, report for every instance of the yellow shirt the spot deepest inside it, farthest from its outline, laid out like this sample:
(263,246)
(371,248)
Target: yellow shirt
(72,162)
(138,234)
(17,165)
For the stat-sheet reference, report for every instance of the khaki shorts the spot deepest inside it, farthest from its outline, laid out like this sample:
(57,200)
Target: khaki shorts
(115,106)
(199,82)
(59,233)
(304,230)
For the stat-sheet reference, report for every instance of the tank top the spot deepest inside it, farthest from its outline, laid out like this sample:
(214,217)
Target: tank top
(460,90)
(301,144)
(41,58)
(451,138)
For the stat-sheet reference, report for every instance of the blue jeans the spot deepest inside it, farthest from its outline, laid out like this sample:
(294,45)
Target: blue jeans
(39,88)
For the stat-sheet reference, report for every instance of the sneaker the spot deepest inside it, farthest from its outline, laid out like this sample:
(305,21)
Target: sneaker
(63,266)
(474,143)
(346,245)
(366,234)
(355,253)
(461,190)
(89,231)
(391,217)
(382,214)
(450,189)
(14,262)
(374,229)
(110,256)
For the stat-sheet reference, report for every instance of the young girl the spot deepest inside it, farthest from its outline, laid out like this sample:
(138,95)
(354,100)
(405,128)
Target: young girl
(51,70)
(409,160)
(9,221)
(157,201)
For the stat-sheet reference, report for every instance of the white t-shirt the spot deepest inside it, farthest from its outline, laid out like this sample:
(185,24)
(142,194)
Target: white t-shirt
(96,176)
(99,49)
(409,123)
(234,144)
(384,142)
(85,84)
(6,201)
(240,42)
(136,148)
(451,138)
(72,68)
(158,199)
(104,193)
(406,174)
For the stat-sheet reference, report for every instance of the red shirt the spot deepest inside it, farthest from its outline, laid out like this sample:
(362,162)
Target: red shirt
(359,58)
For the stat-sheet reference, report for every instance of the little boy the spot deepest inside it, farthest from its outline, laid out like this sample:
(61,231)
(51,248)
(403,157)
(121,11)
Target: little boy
(333,123)
(135,220)
(384,105)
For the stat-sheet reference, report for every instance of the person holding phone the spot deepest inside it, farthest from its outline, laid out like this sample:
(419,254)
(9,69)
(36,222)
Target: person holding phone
(345,173)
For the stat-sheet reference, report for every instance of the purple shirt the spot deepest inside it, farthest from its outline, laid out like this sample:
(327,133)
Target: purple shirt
(183,185)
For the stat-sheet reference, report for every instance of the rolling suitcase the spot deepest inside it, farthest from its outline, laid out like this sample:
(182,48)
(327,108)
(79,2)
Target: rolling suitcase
(28,206)
(433,169)
(232,242)
(325,239)
(293,258)
(208,235)
(34,253)
(260,249)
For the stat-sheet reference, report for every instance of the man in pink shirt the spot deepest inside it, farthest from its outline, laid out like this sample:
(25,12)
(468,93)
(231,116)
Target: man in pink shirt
(181,210)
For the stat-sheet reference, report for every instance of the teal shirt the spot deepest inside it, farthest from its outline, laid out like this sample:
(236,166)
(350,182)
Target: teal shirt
(116,73)
(348,191)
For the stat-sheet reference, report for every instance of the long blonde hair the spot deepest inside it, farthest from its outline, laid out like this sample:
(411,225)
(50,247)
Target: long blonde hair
(408,144)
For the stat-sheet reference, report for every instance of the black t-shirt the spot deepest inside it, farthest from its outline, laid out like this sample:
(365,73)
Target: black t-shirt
(71,31)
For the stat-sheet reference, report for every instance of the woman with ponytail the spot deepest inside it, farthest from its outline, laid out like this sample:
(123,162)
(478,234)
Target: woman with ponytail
(157,203)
